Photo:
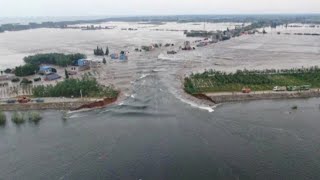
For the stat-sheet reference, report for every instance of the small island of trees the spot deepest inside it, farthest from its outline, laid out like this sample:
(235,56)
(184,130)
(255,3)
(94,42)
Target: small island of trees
(99,51)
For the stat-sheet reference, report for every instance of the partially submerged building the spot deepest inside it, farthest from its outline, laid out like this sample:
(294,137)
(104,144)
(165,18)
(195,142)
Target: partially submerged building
(83,64)
(4,78)
(45,70)
(114,56)
(95,64)
(123,56)
(147,48)
(51,77)
(187,46)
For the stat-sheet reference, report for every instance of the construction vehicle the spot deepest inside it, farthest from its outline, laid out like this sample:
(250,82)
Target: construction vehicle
(246,90)
(24,99)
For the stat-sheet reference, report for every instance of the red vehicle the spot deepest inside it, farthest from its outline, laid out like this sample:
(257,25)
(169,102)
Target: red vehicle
(246,90)
(24,100)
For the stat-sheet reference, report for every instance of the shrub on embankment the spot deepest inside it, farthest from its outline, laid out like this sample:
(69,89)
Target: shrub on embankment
(34,117)
(3,118)
(87,87)
(257,80)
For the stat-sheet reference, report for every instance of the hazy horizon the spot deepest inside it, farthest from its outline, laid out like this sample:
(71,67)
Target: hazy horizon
(84,8)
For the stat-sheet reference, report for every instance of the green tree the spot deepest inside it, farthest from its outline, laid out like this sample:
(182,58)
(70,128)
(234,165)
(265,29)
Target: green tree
(264,31)
(26,70)
(107,51)
(66,73)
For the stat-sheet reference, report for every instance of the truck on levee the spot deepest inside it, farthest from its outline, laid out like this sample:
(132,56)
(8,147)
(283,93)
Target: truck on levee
(279,88)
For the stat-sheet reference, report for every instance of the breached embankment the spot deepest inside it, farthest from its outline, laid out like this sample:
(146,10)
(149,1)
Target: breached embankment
(236,97)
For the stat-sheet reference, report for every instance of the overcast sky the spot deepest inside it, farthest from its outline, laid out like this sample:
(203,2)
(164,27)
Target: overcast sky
(17,8)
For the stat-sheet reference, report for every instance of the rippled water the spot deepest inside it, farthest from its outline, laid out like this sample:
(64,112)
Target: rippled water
(156,132)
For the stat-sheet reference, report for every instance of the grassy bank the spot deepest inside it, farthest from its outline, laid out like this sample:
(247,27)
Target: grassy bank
(257,80)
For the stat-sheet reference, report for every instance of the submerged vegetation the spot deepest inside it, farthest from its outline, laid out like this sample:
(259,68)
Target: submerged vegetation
(26,70)
(34,117)
(18,118)
(21,117)
(86,87)
(257,80)
(3,118)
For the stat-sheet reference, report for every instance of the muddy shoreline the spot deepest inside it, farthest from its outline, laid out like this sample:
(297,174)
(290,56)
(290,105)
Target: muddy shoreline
(74,105)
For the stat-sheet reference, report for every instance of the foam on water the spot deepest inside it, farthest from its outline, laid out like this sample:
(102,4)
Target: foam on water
(133,96)
(163,57)
(144,76)
(207,108)
(159,70)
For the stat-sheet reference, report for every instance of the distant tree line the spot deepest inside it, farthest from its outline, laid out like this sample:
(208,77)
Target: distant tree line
(275,19)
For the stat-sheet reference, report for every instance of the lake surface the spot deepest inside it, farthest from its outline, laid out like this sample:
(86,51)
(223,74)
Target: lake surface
(156,132)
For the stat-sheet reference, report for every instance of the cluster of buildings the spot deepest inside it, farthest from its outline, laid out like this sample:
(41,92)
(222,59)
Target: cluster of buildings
(50,73)
(122,56)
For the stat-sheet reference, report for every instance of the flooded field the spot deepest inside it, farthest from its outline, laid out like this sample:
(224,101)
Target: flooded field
(248,51)
(156,132)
